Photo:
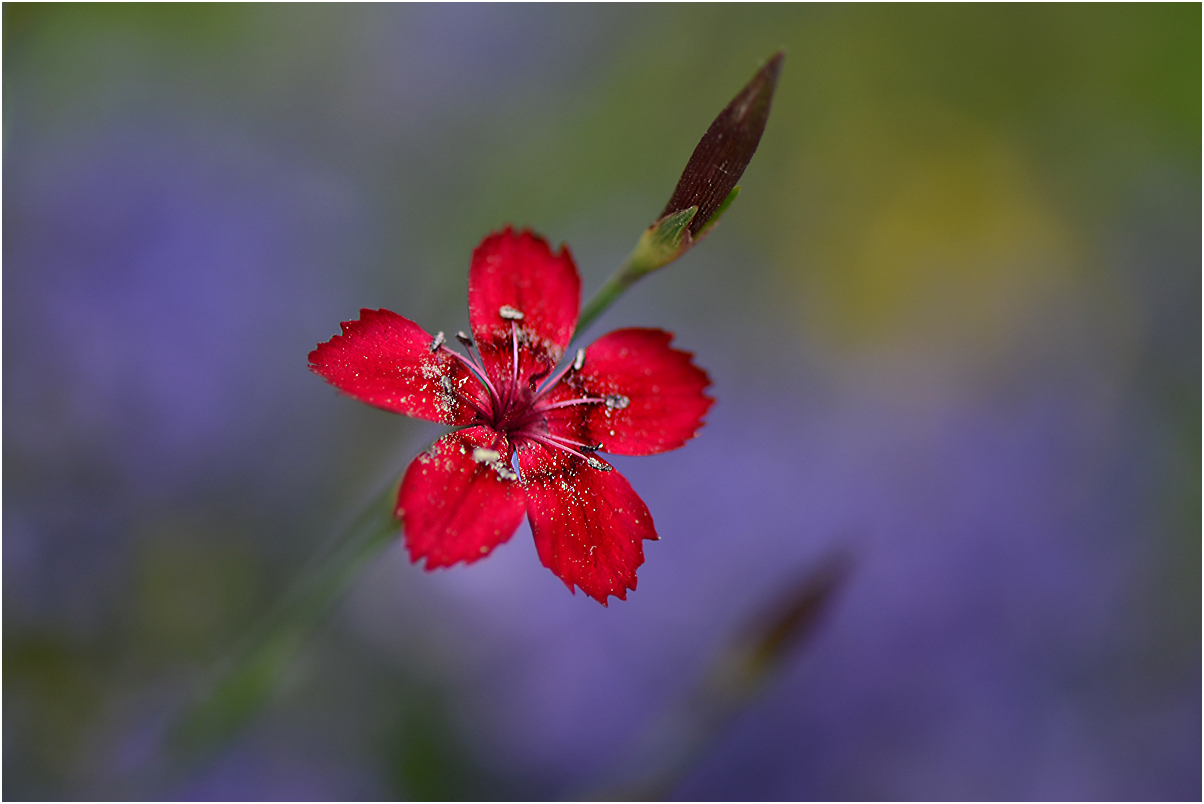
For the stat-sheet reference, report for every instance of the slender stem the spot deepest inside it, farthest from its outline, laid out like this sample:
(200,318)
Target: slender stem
(624,277)
(239,686)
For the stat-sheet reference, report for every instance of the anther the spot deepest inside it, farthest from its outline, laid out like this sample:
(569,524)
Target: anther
(588,448)
(594,463)
(509,313)
(493,459)
(580,361)
(482,455)
(438,341)
(617,401)
(465,340)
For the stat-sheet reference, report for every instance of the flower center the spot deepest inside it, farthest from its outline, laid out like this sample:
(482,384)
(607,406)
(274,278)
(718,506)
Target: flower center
(514,408)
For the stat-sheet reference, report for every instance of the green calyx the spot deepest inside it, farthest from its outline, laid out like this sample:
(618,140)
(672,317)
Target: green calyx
(662,243)
(669,238)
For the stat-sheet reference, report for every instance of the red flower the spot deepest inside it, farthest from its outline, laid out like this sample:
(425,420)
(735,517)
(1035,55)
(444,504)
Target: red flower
(629,393)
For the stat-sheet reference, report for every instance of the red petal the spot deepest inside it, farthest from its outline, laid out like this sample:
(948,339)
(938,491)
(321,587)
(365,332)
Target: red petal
(386,361)
(520,272)
(661,386)
(589,525)
(454,504)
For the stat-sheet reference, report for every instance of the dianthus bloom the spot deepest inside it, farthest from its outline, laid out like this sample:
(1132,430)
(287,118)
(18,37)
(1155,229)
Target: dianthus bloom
(629,393)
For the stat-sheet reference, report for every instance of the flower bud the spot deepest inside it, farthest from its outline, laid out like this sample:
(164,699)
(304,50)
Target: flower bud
(725,150)
(708,185)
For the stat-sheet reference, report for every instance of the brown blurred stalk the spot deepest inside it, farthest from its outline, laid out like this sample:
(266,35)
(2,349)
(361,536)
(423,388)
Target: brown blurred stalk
(739,672)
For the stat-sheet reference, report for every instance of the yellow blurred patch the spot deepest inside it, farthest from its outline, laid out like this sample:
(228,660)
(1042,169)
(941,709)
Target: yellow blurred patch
(948,244)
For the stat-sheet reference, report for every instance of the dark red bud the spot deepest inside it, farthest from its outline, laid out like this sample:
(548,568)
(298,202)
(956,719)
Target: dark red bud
(726,149)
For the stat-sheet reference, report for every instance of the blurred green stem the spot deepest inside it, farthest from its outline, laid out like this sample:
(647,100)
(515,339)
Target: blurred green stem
(247,679)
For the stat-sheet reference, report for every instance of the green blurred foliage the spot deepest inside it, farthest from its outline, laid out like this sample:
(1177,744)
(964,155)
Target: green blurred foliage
(196,588)
(54,690)
(428,760)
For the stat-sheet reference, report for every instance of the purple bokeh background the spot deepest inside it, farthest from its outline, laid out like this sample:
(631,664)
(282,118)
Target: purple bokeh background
(953,326)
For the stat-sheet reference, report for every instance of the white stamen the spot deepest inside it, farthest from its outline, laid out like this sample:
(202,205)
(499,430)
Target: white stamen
(594,463)
(465,339)
(437,342)
(580,361)
(617,401)
(509,313)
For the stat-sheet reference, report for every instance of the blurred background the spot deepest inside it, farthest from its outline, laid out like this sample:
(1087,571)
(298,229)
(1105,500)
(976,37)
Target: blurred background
(953,323)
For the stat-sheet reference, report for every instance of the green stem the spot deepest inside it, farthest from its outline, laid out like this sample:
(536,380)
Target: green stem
(618,283)
(246,680)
